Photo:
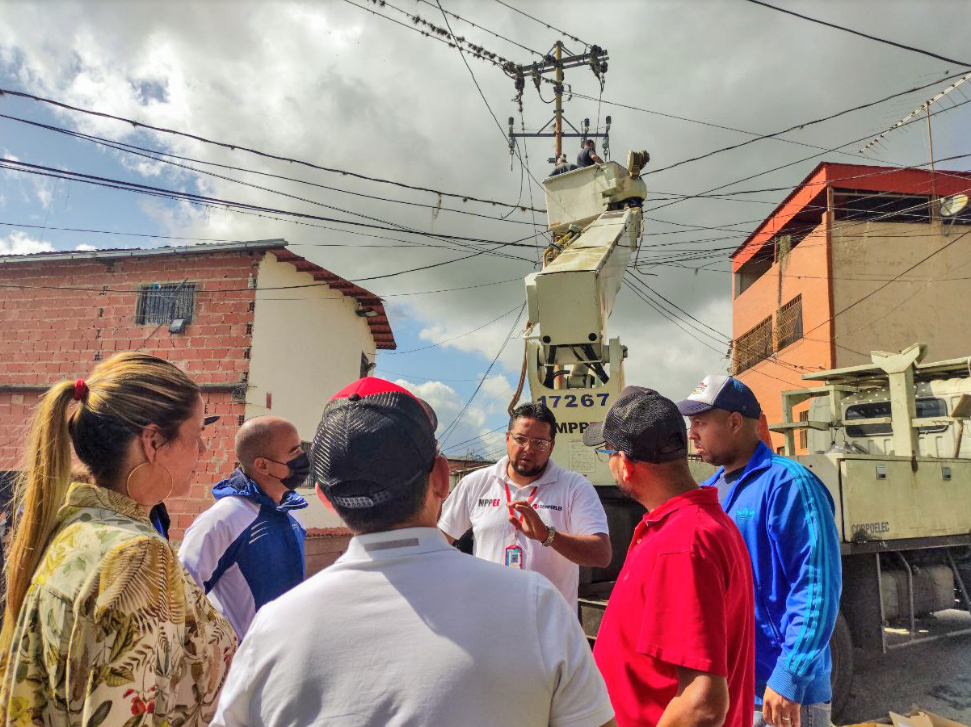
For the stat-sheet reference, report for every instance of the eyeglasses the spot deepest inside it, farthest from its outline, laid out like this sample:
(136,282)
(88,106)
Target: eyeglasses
(607,452)
(541,445)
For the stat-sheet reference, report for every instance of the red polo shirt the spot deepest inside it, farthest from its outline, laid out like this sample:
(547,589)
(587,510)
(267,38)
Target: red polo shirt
(684,598)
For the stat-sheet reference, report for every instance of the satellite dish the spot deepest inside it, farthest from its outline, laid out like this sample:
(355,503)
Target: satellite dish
(950,206)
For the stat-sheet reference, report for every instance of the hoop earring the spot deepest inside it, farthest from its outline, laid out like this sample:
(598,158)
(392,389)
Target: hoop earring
(162,499)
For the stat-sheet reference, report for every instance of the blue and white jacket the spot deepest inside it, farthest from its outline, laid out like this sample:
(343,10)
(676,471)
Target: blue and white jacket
(246,549)
(786,517)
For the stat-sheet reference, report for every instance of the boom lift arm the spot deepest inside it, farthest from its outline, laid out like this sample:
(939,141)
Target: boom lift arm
(573,367)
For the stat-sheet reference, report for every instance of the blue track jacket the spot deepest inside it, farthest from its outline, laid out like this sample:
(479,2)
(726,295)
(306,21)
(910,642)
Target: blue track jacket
(245,550)
(786,517)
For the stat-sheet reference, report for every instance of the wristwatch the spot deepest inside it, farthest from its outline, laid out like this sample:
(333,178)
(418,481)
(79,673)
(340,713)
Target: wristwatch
(550,534)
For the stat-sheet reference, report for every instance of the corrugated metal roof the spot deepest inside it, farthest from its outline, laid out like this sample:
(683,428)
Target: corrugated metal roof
(861,177)
(117,253)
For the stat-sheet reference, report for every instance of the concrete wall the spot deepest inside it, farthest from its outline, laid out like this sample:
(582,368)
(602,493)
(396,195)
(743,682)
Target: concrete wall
(806,274)
(928,304)
(307,345)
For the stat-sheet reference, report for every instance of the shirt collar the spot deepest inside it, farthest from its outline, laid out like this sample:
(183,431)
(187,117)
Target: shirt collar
(81,494)
(394,544)
(702,496)
(550,474)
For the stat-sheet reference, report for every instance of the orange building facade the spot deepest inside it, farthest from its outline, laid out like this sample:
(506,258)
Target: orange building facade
(856,258)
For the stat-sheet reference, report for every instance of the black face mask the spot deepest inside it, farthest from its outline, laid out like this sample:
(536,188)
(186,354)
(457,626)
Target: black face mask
(299,470)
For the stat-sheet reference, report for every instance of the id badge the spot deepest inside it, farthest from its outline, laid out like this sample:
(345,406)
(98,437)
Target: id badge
(514,556)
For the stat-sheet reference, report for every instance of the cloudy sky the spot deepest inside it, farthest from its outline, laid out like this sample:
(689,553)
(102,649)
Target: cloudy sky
(335,85)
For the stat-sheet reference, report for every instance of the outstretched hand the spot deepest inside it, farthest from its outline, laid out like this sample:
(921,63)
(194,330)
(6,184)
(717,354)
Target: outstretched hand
(526,519)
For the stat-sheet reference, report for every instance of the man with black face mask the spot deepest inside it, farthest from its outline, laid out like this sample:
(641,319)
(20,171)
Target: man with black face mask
(247,549)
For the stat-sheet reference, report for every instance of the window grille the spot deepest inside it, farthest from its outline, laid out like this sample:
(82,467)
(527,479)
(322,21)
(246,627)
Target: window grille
(788,323)
(752,347)
(162,303)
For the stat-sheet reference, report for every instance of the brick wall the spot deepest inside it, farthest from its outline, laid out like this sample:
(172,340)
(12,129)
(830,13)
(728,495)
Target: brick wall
(47,335)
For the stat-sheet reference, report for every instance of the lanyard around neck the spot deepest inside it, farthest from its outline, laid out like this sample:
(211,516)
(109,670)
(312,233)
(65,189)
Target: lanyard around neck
(529,500)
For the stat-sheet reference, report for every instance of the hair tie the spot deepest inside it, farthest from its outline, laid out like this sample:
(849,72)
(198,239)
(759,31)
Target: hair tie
(80,390)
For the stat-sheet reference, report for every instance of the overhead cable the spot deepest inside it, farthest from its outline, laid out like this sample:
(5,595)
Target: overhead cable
(249,150)
(544,23)
(486,30)
(460,335)
(17,165)
(771,170)
(153,154)
(795,127)
(861,34)
(451,427)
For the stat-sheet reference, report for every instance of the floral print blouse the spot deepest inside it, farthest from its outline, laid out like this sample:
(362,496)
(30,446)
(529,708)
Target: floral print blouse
(113,632)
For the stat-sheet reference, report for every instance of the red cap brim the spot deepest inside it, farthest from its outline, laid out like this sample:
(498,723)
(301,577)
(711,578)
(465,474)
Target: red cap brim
(370,386)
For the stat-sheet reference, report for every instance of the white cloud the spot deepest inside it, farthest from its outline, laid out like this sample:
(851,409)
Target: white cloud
(44,196)
(471,434)
(356,92)
(85,248)
(20,243)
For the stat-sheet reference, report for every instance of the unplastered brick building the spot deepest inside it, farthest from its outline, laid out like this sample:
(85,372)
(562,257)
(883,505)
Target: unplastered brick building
(260,329)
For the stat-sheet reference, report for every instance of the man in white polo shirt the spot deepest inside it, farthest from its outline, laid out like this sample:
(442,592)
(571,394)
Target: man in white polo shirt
(528,512)
(403,629)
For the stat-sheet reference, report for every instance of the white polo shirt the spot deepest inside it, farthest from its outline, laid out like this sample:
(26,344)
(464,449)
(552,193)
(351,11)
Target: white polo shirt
(566,500)
(404,630)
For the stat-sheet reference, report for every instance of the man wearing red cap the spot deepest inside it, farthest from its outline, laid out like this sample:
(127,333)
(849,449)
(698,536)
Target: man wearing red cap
(404,629)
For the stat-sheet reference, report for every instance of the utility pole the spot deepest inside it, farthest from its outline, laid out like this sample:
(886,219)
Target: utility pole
(596,59)
(930,147)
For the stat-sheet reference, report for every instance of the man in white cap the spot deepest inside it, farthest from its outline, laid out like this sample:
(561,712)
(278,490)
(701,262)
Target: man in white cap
(786,517)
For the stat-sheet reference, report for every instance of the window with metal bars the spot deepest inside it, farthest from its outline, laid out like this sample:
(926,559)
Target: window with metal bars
(752,346)
(788,323)
(162,303)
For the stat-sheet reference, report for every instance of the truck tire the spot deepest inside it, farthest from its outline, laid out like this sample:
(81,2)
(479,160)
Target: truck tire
(841,647)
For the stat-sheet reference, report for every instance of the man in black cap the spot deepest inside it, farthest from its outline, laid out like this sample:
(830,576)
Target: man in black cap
(404,629)
(676,641)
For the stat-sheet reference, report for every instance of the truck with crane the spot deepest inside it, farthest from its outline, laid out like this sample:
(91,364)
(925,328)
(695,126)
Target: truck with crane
(886,438)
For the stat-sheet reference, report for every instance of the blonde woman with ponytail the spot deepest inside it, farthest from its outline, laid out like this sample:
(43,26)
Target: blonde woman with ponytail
(102,626)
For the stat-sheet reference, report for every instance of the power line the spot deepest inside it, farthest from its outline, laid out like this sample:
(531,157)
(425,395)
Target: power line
(717,337)
(862,35)
(249,150)
(483,28)
(452,290)
(686,119)
(477,436)
(17,165)
(795,127)
(485,100)
(451,427)
(773,169)
(423,378)
(460,335)
(417,20)
(544,23)
(148,152)
(674,320)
